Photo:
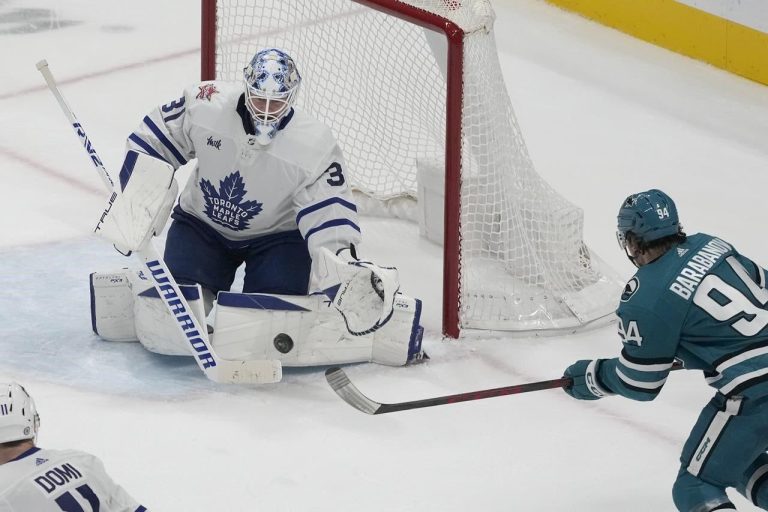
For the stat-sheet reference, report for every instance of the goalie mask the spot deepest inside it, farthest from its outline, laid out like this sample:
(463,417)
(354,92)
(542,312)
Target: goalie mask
(18,416)
(271,84)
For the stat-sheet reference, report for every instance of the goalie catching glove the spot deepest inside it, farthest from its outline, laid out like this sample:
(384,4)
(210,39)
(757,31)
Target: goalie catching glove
(141,208)
(364,293)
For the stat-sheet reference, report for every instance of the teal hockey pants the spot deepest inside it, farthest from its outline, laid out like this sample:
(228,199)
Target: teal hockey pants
(726,448)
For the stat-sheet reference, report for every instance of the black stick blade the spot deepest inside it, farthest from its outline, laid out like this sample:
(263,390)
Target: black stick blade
(347,391)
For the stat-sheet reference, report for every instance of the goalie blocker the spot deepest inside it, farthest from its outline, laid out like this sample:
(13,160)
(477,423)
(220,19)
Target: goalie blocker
(297,330)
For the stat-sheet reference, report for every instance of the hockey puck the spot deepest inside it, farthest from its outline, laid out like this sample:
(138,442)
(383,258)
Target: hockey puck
(283,343)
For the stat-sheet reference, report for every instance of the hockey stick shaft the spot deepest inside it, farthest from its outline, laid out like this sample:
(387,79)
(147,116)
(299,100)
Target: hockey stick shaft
(214,367)
(42,66)
(348,392)
(476,395)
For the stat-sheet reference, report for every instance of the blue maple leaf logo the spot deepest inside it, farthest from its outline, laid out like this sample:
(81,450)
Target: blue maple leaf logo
(225,206)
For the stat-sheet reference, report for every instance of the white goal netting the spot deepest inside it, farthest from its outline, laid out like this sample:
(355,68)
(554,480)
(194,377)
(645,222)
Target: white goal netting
(379,82)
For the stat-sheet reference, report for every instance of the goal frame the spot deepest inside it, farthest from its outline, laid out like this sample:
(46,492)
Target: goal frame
(453,131)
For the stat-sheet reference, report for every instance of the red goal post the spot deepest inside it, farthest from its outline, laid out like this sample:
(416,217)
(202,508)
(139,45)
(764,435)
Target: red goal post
(513,258)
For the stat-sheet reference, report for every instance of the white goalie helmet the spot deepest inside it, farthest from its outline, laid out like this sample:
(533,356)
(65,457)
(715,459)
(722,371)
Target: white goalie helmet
(18,415)
(271,84)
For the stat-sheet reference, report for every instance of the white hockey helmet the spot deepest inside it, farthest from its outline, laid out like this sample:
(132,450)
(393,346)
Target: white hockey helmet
(18,416)
(271,84)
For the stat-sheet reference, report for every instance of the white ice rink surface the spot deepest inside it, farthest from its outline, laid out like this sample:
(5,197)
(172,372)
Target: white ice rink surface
(604,115)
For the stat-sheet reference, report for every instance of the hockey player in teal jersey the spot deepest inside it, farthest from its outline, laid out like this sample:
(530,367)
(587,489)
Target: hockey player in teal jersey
(696,300)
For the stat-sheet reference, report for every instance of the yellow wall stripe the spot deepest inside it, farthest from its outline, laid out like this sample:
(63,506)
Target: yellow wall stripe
(683,29)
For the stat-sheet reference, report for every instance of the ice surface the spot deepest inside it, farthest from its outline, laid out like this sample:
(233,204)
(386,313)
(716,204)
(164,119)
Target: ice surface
(604,115)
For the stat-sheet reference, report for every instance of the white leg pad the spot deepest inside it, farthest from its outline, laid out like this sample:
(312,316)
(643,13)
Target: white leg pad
(155,328)
(125,306)
(112,306)
(400,338)
(308,331)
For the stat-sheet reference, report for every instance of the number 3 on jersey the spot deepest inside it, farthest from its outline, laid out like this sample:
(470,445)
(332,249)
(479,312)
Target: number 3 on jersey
(335,176)
(173,109)
(723,302)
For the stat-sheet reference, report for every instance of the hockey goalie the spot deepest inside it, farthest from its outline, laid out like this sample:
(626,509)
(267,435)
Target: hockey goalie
(269,192)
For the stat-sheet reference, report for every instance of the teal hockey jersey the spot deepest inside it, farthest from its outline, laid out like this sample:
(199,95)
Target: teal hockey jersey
(701,303)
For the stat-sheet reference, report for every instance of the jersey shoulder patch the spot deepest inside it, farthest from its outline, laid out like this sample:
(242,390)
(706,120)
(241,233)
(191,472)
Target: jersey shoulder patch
(206,91)
(215,94)
(630,288)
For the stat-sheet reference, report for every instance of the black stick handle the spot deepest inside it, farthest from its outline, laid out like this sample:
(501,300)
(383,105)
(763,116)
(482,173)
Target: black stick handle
(475,395)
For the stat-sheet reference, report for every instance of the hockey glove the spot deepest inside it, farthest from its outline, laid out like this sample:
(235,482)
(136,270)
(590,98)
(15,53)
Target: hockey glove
(586,385)
(364,293)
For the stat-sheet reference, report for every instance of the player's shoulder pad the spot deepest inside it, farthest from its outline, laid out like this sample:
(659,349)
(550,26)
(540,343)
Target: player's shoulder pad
(75,455)
(688,263)
(646,286)
(311,130)
(306,141)
(639,299)
(649,287)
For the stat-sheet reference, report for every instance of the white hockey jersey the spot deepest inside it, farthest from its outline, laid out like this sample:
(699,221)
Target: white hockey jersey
(56,480)
(242,190)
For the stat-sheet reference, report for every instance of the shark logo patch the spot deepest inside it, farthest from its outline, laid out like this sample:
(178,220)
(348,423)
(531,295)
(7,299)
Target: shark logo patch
(629,290)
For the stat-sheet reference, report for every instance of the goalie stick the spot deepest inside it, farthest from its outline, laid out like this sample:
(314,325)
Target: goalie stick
(348,392)
(214,367)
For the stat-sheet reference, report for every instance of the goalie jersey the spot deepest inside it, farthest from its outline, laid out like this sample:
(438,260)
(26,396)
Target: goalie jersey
(241,190)
(701,303)
(55,480)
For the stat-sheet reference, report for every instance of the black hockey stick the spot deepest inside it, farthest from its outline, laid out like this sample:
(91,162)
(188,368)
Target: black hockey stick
(348,392)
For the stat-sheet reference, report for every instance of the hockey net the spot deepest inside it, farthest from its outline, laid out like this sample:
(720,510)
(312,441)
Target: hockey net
(395,81)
